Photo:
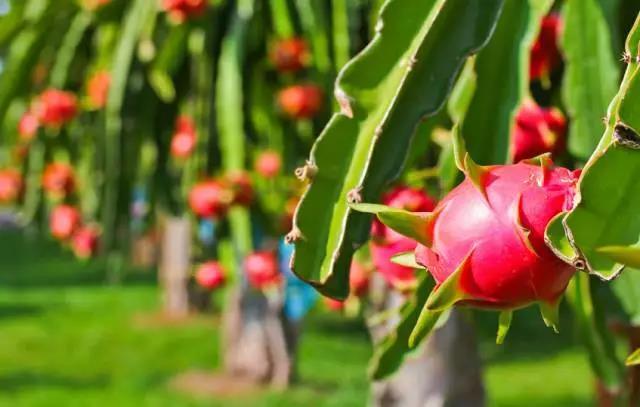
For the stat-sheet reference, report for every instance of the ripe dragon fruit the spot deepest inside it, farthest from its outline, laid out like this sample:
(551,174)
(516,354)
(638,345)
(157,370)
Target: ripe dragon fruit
(10,185)
(545,55)
(58,179)
(358,279)
(537,131)
(210,199)
(183,141)
(268,164)
(181,10)
(484,242)
(28,126)
(386,242)
(84,241)
(64,221)
(55,108)
(210,275)
(261,269)
(239,182)
(333,305)
(301,101)
(289,55)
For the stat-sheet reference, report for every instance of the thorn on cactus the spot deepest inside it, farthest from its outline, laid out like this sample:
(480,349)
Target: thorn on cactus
(626,136)
(355,195)
(580,264)
(412,62)
(344,102)
(293,236)
(626,57)
(504,323)
(307,172)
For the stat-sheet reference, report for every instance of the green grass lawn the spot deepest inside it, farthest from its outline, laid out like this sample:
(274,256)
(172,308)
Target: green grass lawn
(69,339)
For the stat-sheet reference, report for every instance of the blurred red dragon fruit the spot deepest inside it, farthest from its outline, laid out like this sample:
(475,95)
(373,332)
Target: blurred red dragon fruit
(386,242)
(85,241)
(289,55)
(10,185)
(239,182)
(64,221)
(538,130)
(268,164)
(98,89)
(28,126)
(210,199)
(333,304)
(58,179)
(181,10)
(54,107)
(358,279)
(545,55)
(210,275)
(261,269)
(301,101)
(183,141)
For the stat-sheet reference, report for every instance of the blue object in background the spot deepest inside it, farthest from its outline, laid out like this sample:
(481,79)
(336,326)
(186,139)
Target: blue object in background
(139,208)
(207,232)
(299,297)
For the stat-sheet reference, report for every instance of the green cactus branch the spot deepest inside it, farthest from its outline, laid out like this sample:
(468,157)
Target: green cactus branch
(605,216)
(591,76)
(505,61)
(364,147)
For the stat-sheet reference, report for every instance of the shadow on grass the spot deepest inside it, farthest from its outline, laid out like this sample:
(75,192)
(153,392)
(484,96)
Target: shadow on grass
(19,381)
(29,262)
(19,310)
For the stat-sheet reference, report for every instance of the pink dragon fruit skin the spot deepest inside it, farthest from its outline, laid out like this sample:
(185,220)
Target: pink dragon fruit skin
(495,240)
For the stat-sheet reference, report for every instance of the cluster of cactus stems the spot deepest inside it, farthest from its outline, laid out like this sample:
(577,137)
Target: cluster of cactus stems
(197,108)
(203,108)
(512,122)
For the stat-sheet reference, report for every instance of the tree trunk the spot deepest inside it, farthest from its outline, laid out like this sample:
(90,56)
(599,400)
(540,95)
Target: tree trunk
(259,343)
(144,250)
(445,373)
(175,260)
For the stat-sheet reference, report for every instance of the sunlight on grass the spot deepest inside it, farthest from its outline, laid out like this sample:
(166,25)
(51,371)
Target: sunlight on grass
(79,342)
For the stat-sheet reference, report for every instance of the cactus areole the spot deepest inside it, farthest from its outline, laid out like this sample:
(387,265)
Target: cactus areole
(484,242)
